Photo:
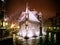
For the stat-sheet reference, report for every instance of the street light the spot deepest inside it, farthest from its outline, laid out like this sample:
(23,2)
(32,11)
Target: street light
(41,22)
(12,25)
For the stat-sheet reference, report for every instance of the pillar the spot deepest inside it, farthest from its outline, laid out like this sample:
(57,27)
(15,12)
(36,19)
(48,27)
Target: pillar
(40,31)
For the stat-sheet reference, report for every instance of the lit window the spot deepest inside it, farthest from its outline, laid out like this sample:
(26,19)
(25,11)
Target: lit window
(27,16)
(57,27)
(54,27)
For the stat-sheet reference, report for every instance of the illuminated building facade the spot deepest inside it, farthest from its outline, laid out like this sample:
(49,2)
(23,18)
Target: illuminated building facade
(29,23)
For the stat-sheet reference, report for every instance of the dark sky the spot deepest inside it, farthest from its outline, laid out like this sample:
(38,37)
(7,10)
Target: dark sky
(47,7)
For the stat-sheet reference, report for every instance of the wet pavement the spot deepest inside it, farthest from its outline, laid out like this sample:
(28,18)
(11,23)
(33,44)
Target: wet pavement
(51,38)
(36,41)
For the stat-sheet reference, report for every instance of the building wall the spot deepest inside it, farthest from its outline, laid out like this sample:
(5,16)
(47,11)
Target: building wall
(31,29)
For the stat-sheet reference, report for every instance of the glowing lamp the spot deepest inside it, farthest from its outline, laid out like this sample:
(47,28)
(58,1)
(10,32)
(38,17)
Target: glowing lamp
(12,26)
(27,22)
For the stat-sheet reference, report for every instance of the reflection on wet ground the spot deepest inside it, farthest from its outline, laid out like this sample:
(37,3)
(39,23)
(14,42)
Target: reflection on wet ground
(49,39)
(36,41)
(43,40)
(33,41)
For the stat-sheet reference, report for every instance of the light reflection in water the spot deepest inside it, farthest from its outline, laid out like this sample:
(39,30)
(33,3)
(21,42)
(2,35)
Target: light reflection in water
(42,40)
(28,42)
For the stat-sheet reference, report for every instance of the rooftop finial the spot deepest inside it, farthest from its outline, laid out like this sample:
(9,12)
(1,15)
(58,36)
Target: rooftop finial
(27,7)
(27,4)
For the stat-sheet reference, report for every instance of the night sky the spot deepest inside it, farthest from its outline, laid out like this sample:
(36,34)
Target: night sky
(47,7)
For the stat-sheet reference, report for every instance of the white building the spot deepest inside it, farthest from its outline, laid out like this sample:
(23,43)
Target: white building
(29,23)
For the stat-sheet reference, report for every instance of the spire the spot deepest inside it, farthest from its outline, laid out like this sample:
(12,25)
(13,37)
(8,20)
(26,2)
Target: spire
(27,7)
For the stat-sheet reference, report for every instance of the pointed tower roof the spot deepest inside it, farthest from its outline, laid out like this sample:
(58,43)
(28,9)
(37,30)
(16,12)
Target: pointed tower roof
(27,7)
(32,14)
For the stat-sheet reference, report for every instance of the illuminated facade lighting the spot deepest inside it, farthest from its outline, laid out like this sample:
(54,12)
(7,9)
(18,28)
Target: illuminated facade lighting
(29,23)
(12,25)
